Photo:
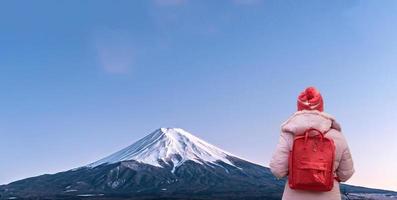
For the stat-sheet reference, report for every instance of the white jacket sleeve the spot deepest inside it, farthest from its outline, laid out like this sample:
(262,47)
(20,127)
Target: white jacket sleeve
(279,163)
(345,169)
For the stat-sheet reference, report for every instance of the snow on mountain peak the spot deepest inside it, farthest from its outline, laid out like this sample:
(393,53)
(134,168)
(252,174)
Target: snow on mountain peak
(169,145)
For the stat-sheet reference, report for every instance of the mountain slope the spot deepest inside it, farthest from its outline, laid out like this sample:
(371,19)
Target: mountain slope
(166,164)
(131,178)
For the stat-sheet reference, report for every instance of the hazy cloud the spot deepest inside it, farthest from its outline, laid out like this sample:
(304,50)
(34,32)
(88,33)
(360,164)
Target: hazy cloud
(115,51)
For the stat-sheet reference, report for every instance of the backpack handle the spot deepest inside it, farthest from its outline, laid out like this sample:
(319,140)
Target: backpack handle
(313,129)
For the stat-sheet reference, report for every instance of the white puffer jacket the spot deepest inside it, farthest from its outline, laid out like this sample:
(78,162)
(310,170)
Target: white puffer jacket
(296,125)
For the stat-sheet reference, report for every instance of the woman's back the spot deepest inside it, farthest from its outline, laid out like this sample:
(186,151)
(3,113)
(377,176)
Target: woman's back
(297,124)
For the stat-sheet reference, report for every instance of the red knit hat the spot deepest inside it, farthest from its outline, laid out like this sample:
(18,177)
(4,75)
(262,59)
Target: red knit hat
(310,99)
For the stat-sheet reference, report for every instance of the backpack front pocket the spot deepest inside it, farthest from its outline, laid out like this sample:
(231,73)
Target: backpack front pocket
(312,173)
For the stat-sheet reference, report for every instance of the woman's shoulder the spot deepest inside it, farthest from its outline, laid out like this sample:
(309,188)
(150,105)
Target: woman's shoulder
(310,118)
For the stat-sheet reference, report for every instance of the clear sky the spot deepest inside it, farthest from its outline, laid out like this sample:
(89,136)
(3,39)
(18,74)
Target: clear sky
(82,79)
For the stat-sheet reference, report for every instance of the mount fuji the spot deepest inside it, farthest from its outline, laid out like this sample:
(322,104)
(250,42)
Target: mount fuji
(170,147)
(169,163)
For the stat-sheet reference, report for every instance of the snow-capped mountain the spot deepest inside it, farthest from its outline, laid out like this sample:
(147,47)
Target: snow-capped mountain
(171,146)
(169,163)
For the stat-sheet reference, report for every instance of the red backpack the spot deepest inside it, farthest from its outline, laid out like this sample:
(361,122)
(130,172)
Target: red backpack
(311,162)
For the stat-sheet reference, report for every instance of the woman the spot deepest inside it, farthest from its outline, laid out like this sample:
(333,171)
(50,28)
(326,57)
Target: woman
(310,115)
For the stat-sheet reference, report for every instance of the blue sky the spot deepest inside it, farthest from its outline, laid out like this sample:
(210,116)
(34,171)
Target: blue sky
(82,79)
